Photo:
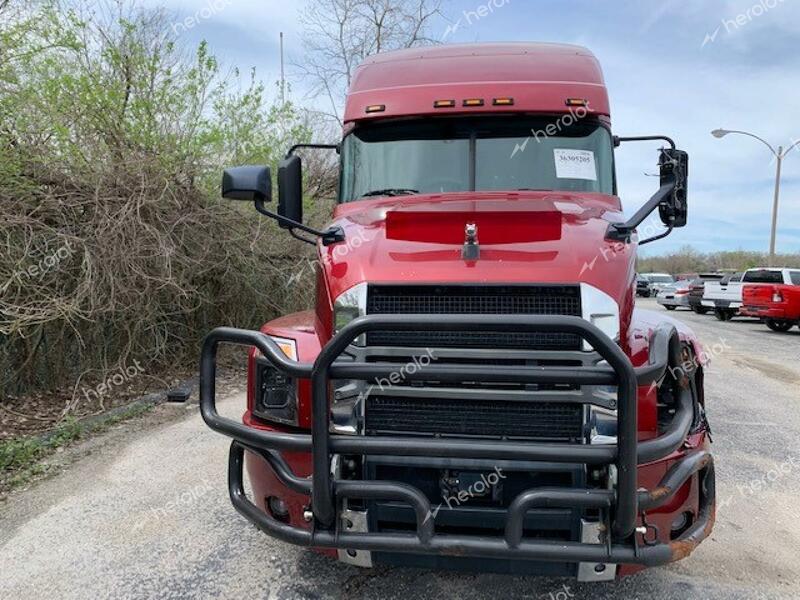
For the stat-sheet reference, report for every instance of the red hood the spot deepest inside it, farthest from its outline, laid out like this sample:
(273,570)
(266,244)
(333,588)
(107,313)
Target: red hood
(524,237)
(555,238)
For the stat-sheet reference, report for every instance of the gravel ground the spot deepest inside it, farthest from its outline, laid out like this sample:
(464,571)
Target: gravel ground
(142,512)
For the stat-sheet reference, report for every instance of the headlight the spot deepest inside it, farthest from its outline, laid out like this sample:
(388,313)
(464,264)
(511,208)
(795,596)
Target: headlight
(349,306)
(275,393)
(601,310)
(602,425)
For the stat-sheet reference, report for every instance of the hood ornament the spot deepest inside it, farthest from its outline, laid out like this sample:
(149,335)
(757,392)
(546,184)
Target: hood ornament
(472,249)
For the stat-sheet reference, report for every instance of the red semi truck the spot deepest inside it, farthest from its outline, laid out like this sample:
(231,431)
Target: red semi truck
(776,299)
(474,388)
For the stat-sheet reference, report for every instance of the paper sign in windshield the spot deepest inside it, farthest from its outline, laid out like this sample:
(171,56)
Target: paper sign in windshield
(575,164)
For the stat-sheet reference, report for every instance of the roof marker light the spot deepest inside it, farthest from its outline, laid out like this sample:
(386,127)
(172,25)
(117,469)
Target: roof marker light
(503,102)
(374,108)
(444,104)
(473,102)
(577,102)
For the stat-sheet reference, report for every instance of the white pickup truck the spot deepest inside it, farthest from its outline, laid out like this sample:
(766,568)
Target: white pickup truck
(725,296)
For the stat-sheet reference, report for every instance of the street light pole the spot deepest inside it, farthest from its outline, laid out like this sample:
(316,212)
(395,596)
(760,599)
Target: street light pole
(779,159)
(779,154)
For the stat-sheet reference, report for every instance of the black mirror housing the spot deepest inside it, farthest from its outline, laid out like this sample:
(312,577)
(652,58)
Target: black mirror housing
(674,169)
(247,183)
(290,190)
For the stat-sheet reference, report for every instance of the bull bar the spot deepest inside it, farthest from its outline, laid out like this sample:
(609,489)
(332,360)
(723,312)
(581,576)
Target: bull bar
(620,506)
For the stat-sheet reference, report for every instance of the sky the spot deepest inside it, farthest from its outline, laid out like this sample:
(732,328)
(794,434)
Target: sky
(675,67)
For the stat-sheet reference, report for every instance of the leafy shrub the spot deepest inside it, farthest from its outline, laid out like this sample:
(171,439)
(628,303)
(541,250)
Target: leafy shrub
(114,244)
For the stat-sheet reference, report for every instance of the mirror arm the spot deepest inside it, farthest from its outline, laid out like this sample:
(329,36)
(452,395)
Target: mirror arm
(296,147)
(622,232)
(643,138)
(297,236)
(660,236)
(330,236)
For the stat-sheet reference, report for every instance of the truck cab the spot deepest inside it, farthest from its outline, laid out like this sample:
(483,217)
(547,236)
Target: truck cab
(474,387)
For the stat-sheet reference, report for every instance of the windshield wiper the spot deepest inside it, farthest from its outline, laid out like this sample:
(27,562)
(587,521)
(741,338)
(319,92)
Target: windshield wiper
(391,192)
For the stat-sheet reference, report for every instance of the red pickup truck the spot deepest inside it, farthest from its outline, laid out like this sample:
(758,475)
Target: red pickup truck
(777,301)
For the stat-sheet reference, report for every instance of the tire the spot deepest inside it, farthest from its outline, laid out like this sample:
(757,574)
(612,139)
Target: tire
(701,310)
(669,307)
(779,325)
(724,314)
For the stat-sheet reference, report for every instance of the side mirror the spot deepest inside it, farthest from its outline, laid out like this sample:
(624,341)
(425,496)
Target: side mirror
(674,168)
(290,190)
(247,183)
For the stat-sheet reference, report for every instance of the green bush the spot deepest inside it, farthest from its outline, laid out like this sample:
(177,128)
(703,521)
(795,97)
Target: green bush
(114,244)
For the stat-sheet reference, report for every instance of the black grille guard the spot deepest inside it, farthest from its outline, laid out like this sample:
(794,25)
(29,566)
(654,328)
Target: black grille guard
(621,506)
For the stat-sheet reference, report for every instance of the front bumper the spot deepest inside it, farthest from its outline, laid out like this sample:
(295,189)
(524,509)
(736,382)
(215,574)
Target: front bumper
(620,507)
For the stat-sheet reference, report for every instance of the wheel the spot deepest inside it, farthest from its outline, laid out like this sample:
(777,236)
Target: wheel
(701,310)
(779,325)
(668,307)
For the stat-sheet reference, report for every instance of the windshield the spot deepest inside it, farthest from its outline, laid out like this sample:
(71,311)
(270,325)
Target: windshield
(661,279)
(484,154)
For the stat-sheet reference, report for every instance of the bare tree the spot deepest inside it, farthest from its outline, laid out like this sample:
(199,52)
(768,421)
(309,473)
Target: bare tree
(339,34)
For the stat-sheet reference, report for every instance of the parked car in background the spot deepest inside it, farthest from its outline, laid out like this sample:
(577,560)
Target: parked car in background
(642,286)
(675,295)
(697,289)
(658,281)
(724,297)
(775,299)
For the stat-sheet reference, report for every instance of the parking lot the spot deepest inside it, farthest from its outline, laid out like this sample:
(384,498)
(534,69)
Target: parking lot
(143,512)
